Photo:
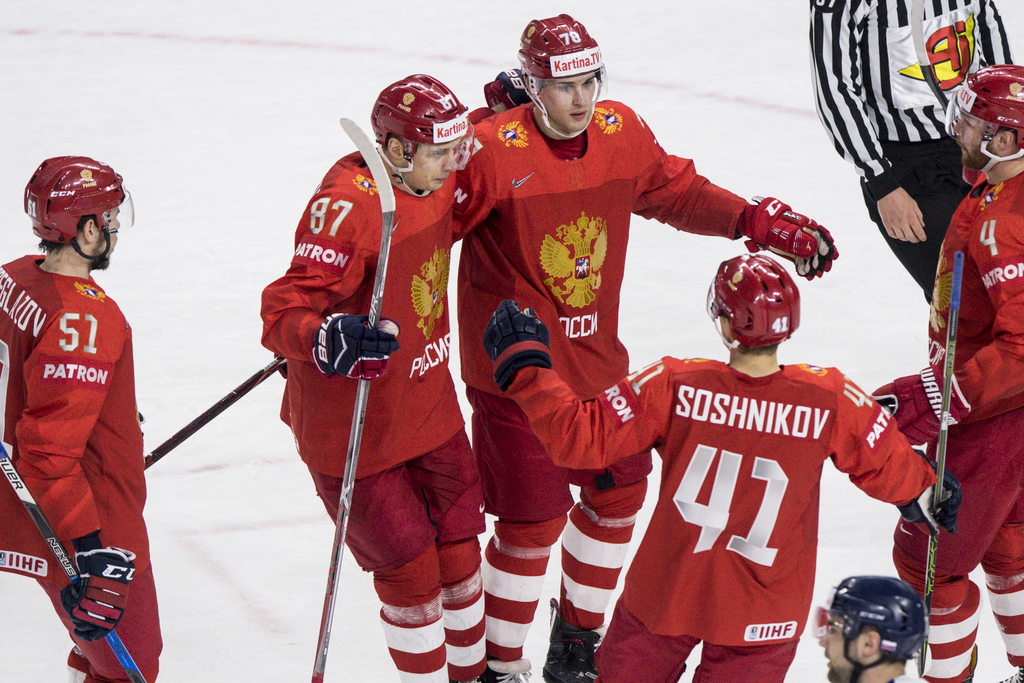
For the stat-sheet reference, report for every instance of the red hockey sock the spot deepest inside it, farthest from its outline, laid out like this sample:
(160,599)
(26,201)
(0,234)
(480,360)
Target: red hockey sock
(594,548)
(515,561)
(411,614)
(462,598)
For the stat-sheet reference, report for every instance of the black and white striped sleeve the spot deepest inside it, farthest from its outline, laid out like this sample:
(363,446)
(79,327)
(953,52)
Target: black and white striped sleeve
(839,76)
(994,48)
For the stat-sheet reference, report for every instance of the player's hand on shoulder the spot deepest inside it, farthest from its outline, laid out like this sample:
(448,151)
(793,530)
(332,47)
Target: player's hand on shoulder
(770,224)
(96,604)
(916,403)
(922,510)
(515,339)
(506,91)
(345,345)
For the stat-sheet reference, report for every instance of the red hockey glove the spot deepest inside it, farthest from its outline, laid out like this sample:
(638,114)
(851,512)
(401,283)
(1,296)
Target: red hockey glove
(770,224)
(344,345)
(506,91)
(920,509)
(514,340)
(916,403)
(96,604)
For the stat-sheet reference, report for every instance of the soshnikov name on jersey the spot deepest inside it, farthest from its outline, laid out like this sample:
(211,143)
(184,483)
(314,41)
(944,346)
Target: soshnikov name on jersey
(743,412)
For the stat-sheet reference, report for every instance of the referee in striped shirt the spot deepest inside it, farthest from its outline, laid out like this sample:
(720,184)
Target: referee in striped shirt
(882,116)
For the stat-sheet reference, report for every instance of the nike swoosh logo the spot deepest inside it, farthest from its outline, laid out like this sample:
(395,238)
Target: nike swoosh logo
(904,530)
(517,183)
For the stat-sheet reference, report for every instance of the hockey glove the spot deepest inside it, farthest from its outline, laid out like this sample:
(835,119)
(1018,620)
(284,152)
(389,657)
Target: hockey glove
(770,224)
(514,340)
(96,603)
(506,91)
(916,403)
(920,509)
(344,345)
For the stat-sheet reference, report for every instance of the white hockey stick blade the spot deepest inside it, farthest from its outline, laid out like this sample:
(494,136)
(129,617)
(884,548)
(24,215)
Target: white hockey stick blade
(380,174)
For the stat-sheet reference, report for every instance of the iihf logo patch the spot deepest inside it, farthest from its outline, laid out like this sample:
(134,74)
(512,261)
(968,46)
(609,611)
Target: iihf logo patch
(784,630)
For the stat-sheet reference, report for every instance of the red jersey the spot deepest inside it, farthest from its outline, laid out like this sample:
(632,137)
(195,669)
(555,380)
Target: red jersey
(413,408)
(70,421)
(989,228)
(552,234)
(732,542)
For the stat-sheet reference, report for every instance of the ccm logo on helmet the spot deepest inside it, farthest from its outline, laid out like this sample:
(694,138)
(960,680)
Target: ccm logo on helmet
(62,193)
(451,130)
(576,63)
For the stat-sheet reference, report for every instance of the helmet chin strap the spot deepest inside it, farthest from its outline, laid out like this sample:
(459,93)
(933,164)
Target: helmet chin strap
(98,257)
(400,173)
(721,333)
(858,668)
(993,158)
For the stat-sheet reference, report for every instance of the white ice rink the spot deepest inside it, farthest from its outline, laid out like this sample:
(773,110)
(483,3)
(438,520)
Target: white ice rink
(222,116)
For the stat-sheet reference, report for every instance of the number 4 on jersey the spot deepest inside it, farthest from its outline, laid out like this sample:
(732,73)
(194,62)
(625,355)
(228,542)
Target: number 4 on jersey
(713,516)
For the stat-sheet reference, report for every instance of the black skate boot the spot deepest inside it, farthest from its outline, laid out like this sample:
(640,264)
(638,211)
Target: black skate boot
(1017,677)
(571,652)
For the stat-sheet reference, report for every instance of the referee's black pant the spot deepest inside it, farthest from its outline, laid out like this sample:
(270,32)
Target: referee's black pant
(932,174)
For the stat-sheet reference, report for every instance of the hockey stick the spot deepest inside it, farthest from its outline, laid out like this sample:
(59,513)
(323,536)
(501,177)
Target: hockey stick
(923,59)
(386,194)
(63,559)
(214,410)
(940,448)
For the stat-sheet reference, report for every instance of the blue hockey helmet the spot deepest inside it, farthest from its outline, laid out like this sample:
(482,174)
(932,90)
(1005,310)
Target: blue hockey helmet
(890,605)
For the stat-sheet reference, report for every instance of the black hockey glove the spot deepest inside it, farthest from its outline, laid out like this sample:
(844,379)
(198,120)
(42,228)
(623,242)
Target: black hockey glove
(96,604)
(344,345)
(514,340)
(920,509)
(507,90)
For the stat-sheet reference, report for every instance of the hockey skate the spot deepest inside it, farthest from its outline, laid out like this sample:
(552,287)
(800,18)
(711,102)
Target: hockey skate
(517,671)
(974,665)
(571,652)
(1017,677)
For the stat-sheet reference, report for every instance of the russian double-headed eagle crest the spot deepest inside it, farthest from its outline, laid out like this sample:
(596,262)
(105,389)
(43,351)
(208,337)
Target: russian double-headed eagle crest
(941,296)
(576,260)
(607,120)
(513,134)
(365,184)
(428,291)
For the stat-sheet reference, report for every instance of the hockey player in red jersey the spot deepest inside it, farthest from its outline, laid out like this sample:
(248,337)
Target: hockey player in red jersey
(546,204)
(70,423)
(984,447)
(729,556)
(417,504)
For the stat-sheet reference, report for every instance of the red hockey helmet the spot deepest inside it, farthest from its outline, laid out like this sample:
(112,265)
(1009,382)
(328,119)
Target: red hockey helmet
(758,297)
(995,95)
(558,47)
(63,189)
(419,109)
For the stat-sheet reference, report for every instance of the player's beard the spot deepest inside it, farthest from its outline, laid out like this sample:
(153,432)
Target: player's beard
(836,676)
(973,159)
(99,264)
